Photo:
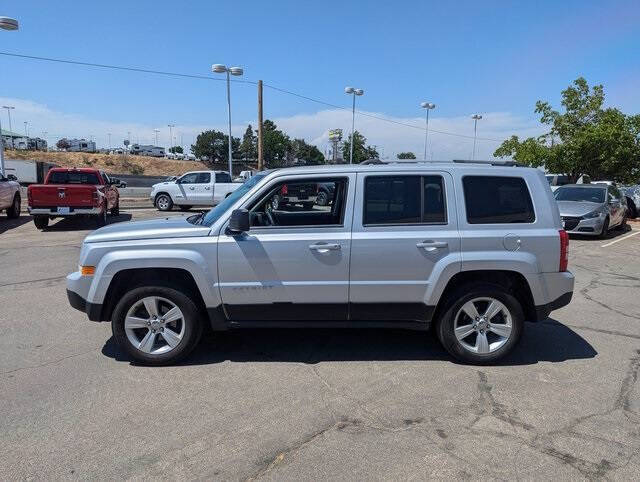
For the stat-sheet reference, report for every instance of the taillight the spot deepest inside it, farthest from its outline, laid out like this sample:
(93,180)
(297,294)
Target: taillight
(564,250)
(29,197)
(94,197)
(285,190)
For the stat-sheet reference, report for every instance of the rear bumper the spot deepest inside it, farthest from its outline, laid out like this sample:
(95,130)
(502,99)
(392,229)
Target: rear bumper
(93,311)
(72,212)
(543,311)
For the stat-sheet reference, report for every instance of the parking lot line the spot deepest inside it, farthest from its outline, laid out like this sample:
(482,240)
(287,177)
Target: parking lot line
(621,239)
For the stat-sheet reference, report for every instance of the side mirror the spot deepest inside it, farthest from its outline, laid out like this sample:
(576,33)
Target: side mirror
(239,222)
(12,177)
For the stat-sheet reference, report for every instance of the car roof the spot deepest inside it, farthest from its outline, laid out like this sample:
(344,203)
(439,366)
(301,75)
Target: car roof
(76,169)
(589,186)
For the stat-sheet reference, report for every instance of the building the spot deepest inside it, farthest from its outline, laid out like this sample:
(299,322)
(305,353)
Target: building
(9,138)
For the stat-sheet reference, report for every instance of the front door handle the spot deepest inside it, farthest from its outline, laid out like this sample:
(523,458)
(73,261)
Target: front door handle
(324,247)
(432,245)
(192,188)
(207,188)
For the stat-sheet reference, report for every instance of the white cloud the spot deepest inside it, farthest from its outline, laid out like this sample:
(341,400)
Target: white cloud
(389,137)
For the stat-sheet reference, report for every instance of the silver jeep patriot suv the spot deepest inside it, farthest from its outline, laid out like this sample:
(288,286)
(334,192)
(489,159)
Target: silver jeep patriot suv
(471,249)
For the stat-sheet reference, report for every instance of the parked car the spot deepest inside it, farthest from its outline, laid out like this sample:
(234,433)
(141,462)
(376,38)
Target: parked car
(10,195)
(632,195)
(472,249)
(591,209)
(73,192)
(301,194)
(243,176)
(195,188)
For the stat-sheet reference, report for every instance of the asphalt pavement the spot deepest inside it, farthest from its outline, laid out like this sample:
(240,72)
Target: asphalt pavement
(312,404)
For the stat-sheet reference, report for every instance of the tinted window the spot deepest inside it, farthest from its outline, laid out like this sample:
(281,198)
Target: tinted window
(497,200)
(581,194)
(404,200)
(204,178)
(62,177)
(222,177)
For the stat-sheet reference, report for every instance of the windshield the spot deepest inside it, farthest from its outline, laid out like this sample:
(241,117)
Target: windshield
(213,215)
(582,194)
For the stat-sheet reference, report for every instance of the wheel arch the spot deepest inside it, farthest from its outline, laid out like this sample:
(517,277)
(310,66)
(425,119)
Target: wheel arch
(513,281)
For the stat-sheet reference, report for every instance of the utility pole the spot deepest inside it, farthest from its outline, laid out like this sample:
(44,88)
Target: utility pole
(260,153)
(26,132)
(109,134)
(476,118)
(156,131)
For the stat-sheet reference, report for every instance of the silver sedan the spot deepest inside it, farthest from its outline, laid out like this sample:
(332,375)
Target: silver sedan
(591,209)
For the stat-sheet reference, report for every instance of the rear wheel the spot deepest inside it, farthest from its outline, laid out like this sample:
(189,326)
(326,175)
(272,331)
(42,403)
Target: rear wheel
(115,210)
(164,202)
(323,199)
(156,325)
(41,222)
(14,211)
(101,219)
(481,324)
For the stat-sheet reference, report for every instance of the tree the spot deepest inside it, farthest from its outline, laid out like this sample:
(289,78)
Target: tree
(406,155)
(308,153)
(248,146)
(585,139)
(275,145)
(215,146)
(63,144)
(176,149)
(361,152)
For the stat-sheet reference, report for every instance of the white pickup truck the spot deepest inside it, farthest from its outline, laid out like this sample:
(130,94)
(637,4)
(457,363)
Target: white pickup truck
(195,188)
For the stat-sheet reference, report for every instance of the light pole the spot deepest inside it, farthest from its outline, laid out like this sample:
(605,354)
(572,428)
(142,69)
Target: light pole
(44,133)
(353,92)
(156,131)
(170,126)
(26,132)
(476,118)
(9,109)
(221,69)
(427,106)
(109,134)
(6,23)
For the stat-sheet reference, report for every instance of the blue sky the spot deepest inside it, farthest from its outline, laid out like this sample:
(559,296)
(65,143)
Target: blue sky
(496,58)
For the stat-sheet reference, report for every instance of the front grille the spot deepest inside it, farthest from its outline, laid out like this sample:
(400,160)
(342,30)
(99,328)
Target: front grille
(570,222)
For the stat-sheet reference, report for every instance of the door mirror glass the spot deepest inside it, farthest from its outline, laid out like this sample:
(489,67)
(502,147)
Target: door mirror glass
(239,222)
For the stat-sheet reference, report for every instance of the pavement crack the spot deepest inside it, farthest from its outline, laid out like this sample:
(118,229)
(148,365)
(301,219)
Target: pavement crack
(626,388)
(52,362)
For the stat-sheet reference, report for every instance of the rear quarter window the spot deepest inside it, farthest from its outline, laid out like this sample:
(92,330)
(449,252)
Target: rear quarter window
(497,200)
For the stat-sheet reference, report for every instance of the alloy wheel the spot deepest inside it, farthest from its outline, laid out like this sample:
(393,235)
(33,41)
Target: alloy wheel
(154,325)
(483,325)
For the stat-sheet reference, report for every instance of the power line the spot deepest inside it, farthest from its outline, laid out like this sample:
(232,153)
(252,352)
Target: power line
(204,77)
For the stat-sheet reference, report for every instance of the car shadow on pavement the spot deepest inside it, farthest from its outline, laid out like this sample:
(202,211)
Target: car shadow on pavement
(82,223)
(6,223)
(548,341)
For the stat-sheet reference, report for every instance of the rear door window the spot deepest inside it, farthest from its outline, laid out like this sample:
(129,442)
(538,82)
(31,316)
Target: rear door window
(404,200)
(497,200)
(223,177)
(204,178)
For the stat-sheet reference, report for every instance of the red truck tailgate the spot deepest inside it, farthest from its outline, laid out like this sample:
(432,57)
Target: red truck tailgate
(50,195)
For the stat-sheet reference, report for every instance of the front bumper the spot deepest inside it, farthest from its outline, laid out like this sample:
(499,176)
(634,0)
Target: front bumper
(579,225)
(72,211)
(93,311)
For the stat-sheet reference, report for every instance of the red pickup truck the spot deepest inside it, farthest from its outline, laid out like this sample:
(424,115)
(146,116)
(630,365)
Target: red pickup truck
(73,192)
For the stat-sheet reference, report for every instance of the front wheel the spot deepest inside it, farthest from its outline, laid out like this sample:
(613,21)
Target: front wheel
(164,202)
(156,325)
(482,323)
(605,229)
(14,211)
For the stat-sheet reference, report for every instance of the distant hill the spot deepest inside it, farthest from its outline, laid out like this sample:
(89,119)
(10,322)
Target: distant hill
(116,163)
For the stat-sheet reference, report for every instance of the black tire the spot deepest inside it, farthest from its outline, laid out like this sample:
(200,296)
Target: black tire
(192,319)
(623,223)
(185,208)
(605,229)
(101,219)
(633,211)
(115,210)
(454,302)
(307,206)
(163,202)
(276,202)
(41,222)
(14,211)
(322,199)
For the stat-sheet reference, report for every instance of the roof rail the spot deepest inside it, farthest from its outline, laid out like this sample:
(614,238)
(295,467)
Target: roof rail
(491,163)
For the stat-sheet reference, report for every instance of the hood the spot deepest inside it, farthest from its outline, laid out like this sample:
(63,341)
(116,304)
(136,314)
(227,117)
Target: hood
(577,208)
(163,183)
(173,227)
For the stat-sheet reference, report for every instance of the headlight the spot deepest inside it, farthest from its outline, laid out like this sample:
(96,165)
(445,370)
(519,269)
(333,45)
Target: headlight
(591,215)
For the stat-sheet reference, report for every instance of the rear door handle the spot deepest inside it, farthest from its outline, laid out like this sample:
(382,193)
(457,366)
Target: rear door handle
(323,247)
(432,245)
